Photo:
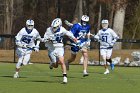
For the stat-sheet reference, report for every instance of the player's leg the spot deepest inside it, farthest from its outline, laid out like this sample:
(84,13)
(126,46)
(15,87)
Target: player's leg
(85,61)
(18,65)
(70,60)
(103,54)
(60,56)
(20,53)
(74,51)
(63,67)
(23,60)
(53,60)
(108,59)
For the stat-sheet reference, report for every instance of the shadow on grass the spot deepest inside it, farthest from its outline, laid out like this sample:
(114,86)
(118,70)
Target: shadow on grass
(62,76)
(43,81)
(11,76)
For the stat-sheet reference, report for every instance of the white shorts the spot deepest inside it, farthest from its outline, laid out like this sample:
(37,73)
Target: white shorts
(22,52)
(106,53)
(55,54)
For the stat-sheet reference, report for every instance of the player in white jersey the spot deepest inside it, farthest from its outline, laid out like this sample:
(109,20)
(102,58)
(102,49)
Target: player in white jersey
(107,38)
(53,41)
(25,41)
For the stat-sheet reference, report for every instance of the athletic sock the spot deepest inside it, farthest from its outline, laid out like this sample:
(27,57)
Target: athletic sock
(16,72)
(64,75)
(85,71)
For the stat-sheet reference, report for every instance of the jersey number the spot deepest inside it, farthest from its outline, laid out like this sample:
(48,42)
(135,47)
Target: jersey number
(104,38)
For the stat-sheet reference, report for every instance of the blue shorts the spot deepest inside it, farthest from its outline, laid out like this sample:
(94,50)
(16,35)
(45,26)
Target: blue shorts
(75,49)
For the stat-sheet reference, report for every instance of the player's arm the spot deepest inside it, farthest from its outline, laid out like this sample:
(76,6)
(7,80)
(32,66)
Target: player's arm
(18,41)
(69,34)
(97,37)
(47,36)
(115,37)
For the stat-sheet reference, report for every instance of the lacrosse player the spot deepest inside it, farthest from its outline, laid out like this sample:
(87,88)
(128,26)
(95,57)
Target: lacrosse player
(82,32)
(107,38)
(53,41)
(25,41)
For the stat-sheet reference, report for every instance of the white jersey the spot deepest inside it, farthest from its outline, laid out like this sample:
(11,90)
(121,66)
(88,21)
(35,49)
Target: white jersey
(55,38)
(28,38)
(106,37)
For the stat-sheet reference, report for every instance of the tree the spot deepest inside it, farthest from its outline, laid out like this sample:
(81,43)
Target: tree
(8,22)
(119,17)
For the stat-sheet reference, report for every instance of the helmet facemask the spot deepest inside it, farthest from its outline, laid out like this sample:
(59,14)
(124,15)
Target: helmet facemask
(30,27)
(84,20)
(55,28)
(104,25)
(30,24)
(84,23)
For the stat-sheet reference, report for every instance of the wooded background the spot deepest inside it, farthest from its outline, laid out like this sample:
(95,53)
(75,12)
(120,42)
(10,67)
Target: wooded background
(123,16)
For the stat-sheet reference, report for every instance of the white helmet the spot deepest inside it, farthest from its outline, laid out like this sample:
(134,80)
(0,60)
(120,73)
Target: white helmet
(105,24)
(56,24)
(84,19)
(30,24)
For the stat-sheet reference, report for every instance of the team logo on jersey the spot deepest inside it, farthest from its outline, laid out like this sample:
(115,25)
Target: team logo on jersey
(26,39)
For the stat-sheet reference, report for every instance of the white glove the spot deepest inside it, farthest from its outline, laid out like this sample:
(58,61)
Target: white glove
(44,40)
(111,44)
(36,48)
(96,38)
(21,45)
(88,42)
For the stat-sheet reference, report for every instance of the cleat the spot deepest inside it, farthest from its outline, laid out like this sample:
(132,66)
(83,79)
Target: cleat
(65,80)
(112,66)
(106,72)
(16,76)
(67,66)
(51,66)
(85,74)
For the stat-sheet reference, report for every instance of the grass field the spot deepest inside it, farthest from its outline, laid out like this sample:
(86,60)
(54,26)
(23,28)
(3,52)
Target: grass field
(38,78)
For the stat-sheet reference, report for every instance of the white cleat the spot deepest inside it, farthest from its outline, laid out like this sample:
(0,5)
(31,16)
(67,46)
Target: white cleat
(65,80)
(106,72)
(16,76)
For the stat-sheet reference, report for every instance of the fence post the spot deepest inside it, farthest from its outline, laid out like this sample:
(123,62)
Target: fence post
(99,54)
(14,50)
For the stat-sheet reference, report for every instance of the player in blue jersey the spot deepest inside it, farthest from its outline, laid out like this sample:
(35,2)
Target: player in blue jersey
(82,32)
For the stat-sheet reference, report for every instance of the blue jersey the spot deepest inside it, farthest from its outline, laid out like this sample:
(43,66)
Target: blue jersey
(80,31)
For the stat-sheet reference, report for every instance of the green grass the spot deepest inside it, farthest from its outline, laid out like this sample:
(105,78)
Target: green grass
(38,78)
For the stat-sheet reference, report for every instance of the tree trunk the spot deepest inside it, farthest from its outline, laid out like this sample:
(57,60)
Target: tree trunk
(79,10)
(119,22)
(99,18)
(8,22)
